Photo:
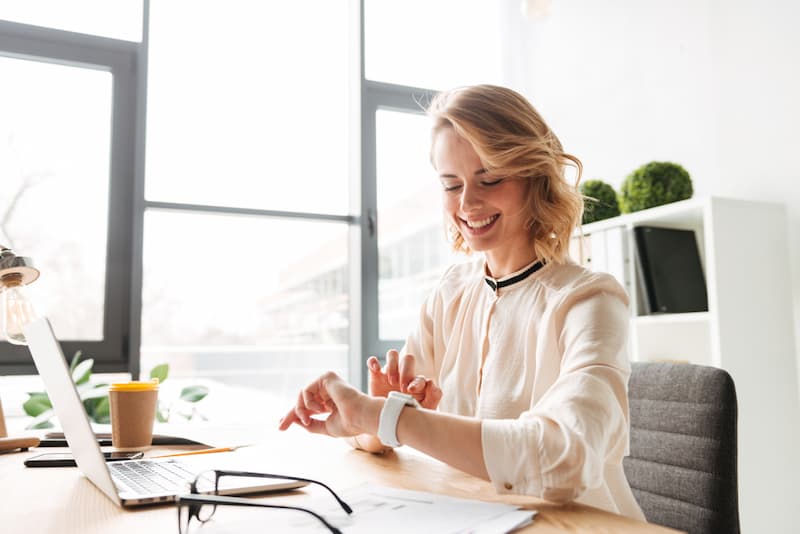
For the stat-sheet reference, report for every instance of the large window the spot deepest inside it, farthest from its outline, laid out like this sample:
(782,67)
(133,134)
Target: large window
(68,107)
(240,189)
(246,269)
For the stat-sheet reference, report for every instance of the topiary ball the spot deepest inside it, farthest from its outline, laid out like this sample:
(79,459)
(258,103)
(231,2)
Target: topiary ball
(600,202)
(654,184)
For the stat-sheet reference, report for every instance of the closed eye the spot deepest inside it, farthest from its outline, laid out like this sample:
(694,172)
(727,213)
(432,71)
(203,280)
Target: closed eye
(492,182)
(452,187)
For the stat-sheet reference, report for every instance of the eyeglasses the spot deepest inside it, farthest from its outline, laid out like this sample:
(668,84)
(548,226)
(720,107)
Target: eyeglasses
(203,507)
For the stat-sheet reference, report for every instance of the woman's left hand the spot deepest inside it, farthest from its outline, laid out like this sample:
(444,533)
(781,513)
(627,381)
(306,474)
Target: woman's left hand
(351,412)
(399,375)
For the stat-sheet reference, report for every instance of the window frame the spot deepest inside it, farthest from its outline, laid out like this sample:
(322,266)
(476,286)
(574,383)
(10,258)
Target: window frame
(122,59)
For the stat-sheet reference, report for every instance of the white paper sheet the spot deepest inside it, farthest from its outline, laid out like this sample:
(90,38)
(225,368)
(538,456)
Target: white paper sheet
(380,509)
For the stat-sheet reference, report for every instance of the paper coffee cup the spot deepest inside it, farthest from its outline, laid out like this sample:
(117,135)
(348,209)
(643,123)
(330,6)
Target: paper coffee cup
(133,412)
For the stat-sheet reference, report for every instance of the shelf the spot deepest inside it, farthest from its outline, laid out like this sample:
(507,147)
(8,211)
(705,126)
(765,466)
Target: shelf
(748,330)
(672,318)
(681,214)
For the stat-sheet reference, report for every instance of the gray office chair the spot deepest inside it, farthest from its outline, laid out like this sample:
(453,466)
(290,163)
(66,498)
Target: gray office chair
(682,466)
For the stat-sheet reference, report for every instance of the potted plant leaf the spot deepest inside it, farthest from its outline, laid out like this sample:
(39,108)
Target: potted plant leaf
(600,201)
(95,397)
(654,184)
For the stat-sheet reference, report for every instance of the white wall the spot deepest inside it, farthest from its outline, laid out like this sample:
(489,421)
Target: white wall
(713,85)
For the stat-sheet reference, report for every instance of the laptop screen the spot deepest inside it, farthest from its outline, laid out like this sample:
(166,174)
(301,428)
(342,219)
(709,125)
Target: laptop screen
(52,367)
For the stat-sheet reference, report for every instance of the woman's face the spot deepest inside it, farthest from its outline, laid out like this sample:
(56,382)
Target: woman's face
(489,211)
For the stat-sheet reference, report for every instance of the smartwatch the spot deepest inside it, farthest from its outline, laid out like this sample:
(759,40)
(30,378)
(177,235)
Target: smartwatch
(387,424)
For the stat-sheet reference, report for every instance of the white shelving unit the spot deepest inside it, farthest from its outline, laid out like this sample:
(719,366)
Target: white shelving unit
(747,330)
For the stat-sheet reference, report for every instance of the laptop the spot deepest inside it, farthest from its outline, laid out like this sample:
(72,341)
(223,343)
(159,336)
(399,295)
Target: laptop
(127,483)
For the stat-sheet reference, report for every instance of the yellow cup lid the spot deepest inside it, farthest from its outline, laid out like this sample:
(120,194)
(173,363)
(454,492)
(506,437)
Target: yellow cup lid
(134,385)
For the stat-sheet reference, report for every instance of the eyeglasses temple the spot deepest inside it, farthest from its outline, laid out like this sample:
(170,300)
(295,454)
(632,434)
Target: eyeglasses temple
(344,505)
(232,501)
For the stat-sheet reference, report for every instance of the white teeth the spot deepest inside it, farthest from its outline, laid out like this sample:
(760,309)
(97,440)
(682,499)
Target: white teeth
(482,222)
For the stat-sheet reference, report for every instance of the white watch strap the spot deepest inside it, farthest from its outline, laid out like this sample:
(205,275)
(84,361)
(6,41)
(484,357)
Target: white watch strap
(387,424)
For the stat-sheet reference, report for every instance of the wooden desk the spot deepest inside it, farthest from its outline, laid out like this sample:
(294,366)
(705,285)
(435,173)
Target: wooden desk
(61,500)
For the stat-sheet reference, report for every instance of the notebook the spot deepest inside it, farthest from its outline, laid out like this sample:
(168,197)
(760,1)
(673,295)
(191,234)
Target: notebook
(670,269)
(127,483)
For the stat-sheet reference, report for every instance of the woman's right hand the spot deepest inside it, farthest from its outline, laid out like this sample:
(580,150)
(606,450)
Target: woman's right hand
(399,375)
(350,412)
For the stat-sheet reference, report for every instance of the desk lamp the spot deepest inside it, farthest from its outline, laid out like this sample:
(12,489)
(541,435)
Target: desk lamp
(15,273)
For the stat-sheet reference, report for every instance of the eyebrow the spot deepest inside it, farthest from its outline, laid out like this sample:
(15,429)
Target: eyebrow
(476,173)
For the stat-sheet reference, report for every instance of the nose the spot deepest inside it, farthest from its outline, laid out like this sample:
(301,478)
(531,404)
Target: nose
(471,198)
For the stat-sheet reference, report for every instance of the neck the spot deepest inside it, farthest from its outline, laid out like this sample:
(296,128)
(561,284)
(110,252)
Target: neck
(498,267)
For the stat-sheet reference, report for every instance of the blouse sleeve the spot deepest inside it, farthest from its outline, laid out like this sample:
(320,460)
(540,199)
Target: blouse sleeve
(559,447)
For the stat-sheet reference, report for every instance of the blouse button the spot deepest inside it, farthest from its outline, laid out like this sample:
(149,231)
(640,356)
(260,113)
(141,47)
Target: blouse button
(508,485)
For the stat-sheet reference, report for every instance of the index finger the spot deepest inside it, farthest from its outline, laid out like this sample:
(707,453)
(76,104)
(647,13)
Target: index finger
(288,419)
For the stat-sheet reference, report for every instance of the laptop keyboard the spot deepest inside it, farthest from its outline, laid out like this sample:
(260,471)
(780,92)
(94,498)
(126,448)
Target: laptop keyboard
(146,477)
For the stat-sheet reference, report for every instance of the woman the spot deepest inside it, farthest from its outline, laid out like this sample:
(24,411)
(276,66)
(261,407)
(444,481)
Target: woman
(521,354)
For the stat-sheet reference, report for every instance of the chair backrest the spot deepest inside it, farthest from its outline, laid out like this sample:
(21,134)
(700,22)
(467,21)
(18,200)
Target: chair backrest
(682,466)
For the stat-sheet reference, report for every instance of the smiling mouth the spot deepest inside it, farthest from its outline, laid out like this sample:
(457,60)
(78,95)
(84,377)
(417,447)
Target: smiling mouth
(480,226)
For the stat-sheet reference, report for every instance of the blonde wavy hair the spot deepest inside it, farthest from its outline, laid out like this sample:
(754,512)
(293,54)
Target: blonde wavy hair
(513,141)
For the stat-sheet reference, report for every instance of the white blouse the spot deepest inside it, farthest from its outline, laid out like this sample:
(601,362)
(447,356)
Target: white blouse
(543,363)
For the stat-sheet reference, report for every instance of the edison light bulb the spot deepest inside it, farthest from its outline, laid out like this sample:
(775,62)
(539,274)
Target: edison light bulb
(17,311)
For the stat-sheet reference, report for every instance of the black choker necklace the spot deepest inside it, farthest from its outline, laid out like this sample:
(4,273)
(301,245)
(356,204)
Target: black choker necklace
(514,279)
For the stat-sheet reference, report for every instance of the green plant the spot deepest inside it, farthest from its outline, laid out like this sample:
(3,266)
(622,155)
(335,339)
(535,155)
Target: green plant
(186,400)
(654,184)
(600,201)
(95,397)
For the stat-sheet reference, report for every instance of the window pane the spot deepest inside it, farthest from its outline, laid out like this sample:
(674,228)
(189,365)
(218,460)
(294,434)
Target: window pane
(54,168)
(412,249)
(256,116)
(249,301)
(437,45)
(120,19)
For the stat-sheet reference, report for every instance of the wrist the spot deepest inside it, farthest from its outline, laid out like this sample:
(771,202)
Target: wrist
(370,415)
